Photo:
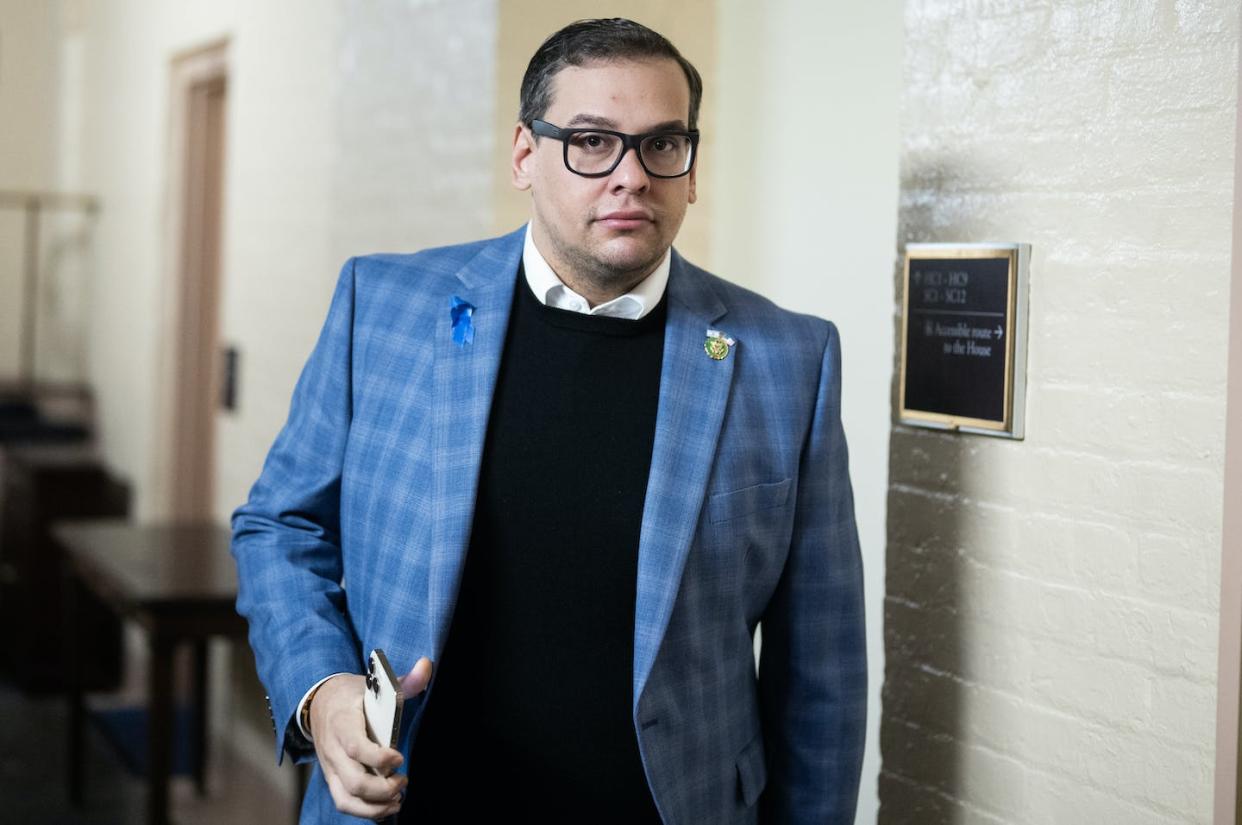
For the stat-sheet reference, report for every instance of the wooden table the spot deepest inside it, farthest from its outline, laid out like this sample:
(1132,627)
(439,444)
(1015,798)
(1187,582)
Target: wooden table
(179,583)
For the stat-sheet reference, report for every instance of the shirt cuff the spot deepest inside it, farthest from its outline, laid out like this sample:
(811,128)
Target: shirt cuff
(297,716)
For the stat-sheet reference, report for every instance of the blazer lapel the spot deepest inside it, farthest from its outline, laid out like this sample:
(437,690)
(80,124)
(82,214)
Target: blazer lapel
(694,390)
(464,382)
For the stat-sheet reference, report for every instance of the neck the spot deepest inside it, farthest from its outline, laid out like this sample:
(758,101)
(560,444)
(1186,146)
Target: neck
(596,283)
(596,294)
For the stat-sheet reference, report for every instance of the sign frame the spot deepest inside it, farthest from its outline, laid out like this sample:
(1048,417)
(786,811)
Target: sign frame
(1013,422)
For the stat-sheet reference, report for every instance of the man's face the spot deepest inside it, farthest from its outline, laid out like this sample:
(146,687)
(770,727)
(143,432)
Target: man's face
(606,234)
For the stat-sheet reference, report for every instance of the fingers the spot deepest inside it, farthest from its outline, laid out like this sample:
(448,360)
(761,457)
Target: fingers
(345,753)
(416,681)
(362,750)
(349,803)
(356,791)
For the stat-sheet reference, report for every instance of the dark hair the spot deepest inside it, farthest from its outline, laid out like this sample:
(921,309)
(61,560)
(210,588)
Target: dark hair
(605,40)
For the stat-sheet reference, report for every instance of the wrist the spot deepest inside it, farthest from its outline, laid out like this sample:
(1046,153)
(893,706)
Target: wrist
(302,716)
(305,719)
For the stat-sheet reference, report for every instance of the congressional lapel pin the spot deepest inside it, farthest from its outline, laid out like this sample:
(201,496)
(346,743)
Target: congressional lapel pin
(459,313)
(717,345)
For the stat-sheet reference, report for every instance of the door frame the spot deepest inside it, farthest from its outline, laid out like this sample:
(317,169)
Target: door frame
(183,465)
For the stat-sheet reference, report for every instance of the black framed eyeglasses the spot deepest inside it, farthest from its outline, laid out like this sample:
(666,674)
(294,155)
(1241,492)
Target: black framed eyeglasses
(594,153)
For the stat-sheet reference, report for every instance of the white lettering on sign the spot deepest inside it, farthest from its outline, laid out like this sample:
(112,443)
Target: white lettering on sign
(961,329)
(965,337)
(942,287)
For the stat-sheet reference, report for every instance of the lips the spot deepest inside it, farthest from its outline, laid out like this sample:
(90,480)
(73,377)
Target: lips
(624,219)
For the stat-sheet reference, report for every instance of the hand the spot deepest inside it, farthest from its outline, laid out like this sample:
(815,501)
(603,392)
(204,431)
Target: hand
(344,751)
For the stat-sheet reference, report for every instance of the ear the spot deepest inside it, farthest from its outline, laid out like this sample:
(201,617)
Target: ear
(523,157)
(694,170)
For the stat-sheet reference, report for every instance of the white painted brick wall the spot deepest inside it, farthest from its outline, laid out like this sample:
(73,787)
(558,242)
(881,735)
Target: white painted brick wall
(1051,611)
(415,105)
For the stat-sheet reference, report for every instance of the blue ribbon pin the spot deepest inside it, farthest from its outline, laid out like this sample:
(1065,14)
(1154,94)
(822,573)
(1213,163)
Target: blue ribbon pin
(460,312)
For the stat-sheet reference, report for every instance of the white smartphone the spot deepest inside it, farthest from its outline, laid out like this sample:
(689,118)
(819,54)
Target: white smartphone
(382,702)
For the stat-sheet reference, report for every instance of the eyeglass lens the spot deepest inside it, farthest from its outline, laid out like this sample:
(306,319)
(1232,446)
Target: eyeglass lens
(591,153)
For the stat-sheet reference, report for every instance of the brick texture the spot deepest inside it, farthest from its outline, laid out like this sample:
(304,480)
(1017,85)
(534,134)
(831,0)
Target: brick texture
(1051,608)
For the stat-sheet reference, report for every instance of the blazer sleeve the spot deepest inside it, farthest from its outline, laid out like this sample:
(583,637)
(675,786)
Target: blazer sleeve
(813,668)
(287,536)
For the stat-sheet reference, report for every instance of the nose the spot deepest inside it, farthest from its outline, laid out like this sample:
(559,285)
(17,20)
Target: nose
(629,175)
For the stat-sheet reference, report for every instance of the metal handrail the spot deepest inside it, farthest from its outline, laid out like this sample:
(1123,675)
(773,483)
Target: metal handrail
(53,200)
(33,203)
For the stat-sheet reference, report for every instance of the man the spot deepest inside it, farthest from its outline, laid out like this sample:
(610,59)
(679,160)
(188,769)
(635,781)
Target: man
(576,472)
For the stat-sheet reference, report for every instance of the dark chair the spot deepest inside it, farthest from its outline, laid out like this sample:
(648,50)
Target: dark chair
(41,484)
(45,413)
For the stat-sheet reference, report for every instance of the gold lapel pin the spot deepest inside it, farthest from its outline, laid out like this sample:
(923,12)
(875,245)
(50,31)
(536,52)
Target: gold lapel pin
(717,345)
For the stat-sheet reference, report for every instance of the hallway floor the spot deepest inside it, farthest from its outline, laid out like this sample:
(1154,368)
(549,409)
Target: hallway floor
(33,742)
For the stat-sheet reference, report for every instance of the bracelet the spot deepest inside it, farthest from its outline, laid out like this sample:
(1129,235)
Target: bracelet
(305,718)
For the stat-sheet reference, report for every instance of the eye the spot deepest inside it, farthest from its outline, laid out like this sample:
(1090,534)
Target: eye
(592,142)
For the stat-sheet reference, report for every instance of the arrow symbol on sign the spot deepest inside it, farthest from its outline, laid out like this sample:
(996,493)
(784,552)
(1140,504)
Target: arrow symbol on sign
(1000,331)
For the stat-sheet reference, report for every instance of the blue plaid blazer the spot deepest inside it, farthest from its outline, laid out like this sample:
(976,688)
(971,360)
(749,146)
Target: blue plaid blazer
(354,535)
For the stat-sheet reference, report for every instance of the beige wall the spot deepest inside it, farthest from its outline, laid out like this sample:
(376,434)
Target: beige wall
(276,273)
(524,24)
(29,35)
(1052,604)
(805,211)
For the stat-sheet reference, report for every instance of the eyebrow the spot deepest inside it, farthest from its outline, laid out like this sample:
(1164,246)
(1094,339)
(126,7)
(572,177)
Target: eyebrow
(580,120)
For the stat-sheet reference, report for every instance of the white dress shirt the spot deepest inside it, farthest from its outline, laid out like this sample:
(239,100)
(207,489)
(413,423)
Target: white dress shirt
(552,291)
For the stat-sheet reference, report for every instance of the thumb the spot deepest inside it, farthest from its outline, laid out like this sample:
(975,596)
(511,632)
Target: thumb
(415,682)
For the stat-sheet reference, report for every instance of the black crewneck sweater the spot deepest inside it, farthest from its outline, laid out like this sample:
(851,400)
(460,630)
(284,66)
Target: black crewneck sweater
(531,713)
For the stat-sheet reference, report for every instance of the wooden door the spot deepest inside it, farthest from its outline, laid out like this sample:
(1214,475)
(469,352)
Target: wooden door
(191,363)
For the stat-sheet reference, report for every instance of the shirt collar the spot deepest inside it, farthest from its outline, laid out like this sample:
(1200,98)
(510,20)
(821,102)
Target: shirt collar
(552,291)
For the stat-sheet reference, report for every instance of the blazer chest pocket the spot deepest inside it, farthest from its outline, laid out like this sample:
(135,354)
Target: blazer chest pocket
(732,505)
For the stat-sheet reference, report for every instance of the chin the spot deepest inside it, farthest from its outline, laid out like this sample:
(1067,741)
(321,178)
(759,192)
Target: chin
(626,265)
(627,257)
